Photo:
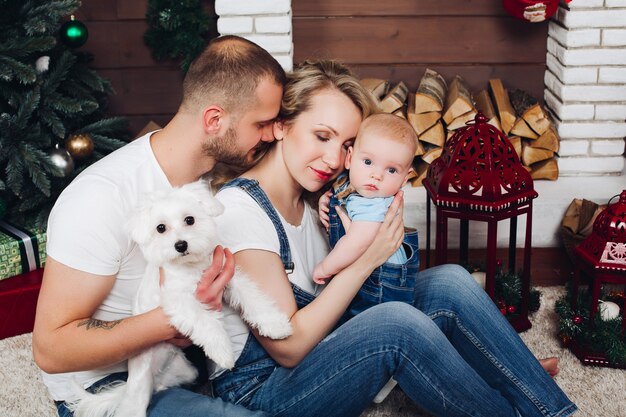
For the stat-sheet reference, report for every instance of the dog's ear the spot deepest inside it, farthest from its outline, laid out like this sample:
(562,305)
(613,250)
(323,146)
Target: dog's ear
(139,224)
(201,191)
(213,205)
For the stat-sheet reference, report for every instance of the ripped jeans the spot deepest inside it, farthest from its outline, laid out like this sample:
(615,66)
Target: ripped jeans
(452,353)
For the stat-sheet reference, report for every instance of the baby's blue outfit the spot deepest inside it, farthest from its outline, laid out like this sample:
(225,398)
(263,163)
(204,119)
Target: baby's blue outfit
(365,209)
(395,279)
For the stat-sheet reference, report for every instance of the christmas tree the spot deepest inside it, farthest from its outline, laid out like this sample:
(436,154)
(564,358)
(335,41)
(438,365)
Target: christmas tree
(178,29)
(52,107)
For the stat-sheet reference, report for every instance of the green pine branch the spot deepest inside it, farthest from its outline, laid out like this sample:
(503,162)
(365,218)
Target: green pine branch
(177,30)
(39,108)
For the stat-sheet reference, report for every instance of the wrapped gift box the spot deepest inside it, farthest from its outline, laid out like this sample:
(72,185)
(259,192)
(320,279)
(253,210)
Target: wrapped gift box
(22,249)
(18,302)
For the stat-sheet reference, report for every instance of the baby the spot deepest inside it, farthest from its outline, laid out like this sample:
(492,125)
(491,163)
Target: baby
(379,164)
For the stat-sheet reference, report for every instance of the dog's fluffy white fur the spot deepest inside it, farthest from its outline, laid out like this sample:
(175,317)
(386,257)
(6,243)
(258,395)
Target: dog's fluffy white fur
(176,230)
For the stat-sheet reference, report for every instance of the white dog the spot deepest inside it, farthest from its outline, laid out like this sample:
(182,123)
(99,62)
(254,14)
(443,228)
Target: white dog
(176,231)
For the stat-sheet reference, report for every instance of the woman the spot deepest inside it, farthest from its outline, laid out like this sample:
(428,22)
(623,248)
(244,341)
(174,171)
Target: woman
(452,352)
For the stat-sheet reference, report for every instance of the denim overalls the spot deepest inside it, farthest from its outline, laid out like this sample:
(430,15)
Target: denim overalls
(388,282)
(254,365)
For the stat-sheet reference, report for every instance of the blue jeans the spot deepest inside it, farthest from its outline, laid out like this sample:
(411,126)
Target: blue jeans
(452,353)
(388,282)
(175,402)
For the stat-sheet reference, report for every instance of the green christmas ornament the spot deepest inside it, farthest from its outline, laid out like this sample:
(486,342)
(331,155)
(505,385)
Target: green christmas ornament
(73,33)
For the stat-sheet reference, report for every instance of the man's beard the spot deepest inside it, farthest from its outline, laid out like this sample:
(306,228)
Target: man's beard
(224,149)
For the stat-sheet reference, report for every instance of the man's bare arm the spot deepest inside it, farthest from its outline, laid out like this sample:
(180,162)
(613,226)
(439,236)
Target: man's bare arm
(66,337)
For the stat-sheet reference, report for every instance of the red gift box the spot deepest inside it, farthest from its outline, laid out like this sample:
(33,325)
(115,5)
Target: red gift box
(18,302)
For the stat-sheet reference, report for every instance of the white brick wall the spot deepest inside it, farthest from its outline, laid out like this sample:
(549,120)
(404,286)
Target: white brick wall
(586,85)
(614,37)
(264,22)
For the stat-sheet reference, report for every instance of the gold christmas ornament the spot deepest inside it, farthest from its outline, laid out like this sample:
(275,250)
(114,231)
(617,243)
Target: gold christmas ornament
(80,146)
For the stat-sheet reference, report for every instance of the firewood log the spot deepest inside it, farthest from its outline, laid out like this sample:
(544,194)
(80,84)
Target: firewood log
(516,141)
(421,169)
(484,104)
(521,128)
(545,170)
(461,120)
(434,135)
(537,118)
(527,107)
(430,94)
(458,100)
(431,154)
(395,98)
(376,86)
(531,155)
(401,112)
(422,121)
(549,140)
(501,99)
(419,151)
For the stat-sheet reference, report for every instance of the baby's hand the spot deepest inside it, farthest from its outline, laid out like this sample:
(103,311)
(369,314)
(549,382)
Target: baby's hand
(319,276)
(324,208)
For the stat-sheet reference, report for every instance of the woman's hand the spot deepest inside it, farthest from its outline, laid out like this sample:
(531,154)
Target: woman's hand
(390,235)
(346,222)
(324,208)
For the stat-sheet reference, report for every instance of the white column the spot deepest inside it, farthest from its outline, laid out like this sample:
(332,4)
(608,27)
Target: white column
(264,22)
(586,85)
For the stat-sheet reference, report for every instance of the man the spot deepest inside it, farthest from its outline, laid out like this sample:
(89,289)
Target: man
(83,328)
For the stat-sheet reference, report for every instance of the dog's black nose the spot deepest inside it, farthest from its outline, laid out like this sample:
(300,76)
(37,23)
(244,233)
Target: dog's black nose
(181,246)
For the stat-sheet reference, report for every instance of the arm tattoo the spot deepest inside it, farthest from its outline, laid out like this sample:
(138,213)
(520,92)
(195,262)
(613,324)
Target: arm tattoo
(99,324)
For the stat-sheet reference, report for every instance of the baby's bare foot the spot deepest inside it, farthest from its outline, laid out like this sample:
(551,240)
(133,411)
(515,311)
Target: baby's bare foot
(550,365)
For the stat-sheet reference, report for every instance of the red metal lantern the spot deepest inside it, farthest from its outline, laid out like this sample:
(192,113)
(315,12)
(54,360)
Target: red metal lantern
(479,177)
(602,257)
(534,11)
(605,247)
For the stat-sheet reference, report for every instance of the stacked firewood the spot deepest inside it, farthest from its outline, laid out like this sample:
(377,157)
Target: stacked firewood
(436,109)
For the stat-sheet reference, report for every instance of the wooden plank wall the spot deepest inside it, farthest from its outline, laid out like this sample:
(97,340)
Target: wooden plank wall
(145,89)
(398,39)
(394,39)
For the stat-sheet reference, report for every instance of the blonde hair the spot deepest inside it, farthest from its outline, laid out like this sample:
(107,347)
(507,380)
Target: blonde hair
(311,77)
(392,127)
(227,73)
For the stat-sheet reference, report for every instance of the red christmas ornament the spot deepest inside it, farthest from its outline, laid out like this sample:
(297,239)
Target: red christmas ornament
(533,11)
(503,311)
(511,309)
(577,320)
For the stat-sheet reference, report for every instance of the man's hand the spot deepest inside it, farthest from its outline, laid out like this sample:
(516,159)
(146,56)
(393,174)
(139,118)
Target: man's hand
(180,341)
(210,289)
(324,208)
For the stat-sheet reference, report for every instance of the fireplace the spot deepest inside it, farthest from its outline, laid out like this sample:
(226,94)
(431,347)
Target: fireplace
(585,91)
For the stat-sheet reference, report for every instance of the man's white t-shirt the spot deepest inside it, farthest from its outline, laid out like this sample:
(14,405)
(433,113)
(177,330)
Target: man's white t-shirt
(87,231)
(245,225)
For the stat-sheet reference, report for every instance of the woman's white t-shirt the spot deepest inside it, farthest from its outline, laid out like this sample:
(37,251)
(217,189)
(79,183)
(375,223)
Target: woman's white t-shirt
(245,225)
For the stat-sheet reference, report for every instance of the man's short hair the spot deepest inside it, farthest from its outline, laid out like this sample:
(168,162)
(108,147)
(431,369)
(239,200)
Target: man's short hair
(227,74)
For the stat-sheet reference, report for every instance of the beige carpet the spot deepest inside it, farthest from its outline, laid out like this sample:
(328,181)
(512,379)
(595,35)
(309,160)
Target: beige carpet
(598,392)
